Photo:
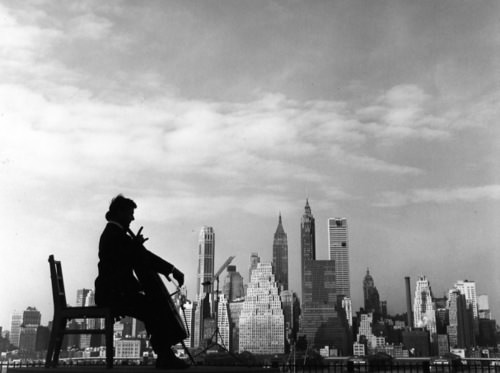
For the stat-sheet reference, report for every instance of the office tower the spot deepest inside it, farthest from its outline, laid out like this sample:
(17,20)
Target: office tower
(347,306)
(206,256)
(287,306)
(320,322)
(483,306)
(468,288)
(30,324)
(280,256)
(42,338)
(254,260)
(31,316)
(409,309)
(261,319)
(187,316)
(365,327)
(307,235)
(15,328)
(81,298)
(223,322)
(383,308)
(234,314)
(27,339)
(201,314)
(233,284)
(371,296)
(460,328)
(339,252)
(424,311)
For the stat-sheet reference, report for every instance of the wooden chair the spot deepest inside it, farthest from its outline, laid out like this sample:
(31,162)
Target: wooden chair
(63,313)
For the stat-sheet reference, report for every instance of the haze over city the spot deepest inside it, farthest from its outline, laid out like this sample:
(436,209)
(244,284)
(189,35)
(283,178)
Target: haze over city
(228,113)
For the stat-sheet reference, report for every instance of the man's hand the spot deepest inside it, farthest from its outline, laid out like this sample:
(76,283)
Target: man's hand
(179,276)
(139,238)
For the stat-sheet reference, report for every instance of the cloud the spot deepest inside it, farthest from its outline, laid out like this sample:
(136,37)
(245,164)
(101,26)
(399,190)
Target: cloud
(90,26)
(404,112)
(420,196)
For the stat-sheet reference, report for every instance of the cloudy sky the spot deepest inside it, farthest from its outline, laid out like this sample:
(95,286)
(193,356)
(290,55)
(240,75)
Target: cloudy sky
(228,113)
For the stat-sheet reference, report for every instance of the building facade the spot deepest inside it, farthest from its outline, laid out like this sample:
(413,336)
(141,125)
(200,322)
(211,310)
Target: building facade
(424,310)
(338,245)
(262,321)
(254,260)
(371,296)
(15,328)
(206,256)
(280,255)
(320,321)
(233,287)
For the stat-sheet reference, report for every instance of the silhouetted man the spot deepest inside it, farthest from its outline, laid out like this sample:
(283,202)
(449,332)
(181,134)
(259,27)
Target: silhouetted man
(126,281)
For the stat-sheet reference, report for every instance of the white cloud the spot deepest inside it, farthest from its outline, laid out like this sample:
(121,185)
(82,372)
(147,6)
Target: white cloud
(419,196)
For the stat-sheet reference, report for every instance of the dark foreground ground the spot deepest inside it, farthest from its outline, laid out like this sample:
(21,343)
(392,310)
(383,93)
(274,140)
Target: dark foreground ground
(137,369)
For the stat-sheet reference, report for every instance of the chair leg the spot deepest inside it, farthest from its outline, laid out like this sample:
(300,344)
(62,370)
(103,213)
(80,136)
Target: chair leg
(109,323)
(52,343)
(61,327)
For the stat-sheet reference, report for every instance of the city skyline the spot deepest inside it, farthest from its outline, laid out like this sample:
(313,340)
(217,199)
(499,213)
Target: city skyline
(225,114)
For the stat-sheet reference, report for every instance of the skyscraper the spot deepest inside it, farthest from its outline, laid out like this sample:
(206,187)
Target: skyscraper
(468,288)
(320,323)
(254,260)
(206,255)
(280,255)
(371,296)
(424,310)
(82,296)
(31,316)
(261,320)
(233,284)
(460,330)
(223,322)
(308,234)
(30,324)
(15,328)
(338,245)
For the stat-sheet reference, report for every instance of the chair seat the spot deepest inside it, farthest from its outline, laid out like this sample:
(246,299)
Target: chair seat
(83,312)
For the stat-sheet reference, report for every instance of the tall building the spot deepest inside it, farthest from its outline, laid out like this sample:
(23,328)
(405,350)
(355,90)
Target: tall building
(187,316)
(206,256)
(261,320)
(280,255)
(233,284)
(224,323)
(30,324)
(320,321)
(254,260)
(15,328)
(371,296)
(308,234)
(81,299)
(234,314)
(424,310)
(338,245)
(468,288)
(483,306)
(460,329)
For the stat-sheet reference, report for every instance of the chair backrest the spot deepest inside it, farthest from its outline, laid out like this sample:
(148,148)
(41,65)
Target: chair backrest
(56,276)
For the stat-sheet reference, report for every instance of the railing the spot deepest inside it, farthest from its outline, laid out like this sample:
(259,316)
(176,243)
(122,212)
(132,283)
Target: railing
(338,366)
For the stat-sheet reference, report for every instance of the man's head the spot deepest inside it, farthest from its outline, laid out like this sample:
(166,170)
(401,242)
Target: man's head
(121,210)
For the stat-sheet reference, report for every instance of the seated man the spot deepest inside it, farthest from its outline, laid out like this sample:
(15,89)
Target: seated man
(128,282)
